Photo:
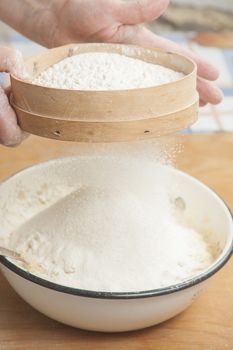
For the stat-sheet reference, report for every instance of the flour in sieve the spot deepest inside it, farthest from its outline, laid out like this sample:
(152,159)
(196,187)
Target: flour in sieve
(105,71)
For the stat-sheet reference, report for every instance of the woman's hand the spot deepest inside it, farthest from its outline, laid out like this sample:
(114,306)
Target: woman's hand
(58,22)
(11,61)
(118,21)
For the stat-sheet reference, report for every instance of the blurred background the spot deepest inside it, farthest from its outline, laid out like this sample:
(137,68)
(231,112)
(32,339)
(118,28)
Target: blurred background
(204,26)
(198,15)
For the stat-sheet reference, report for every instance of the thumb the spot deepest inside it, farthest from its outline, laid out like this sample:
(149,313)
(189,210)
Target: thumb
(11,61)
(10,133)
(139,11)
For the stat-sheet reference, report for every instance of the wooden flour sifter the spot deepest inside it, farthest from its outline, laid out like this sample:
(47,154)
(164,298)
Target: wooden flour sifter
(106,116)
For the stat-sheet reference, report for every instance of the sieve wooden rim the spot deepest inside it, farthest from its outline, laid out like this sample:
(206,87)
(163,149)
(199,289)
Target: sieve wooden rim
(102,131)
(176,102)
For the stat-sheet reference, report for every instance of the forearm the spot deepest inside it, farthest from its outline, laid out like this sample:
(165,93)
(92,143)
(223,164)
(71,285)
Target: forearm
(33,18)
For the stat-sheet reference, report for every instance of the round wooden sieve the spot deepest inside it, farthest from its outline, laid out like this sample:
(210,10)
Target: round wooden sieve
(106,116)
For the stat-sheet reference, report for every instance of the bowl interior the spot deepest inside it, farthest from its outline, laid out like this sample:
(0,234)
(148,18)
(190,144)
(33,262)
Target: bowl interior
(203,208)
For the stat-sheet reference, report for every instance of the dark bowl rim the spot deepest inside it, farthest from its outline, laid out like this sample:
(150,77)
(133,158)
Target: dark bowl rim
(214,268)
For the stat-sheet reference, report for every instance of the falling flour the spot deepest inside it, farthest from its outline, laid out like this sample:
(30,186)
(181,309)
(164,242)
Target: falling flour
(117,231)
(105,71)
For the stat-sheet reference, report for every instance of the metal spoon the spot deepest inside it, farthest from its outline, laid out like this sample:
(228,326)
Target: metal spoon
(11,254)
(30,266)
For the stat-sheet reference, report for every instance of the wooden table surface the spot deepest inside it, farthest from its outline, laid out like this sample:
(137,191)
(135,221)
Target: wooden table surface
(206,325)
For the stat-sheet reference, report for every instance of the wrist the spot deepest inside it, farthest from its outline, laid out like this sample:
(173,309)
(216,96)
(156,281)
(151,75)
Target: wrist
(44,24)
(34,19)
(57,10)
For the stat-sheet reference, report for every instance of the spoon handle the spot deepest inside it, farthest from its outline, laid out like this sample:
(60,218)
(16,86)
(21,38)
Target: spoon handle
(32,266)
(10,254)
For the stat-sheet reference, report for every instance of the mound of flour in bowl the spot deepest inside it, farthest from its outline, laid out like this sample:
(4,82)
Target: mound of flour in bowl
(118,231)
(105,71)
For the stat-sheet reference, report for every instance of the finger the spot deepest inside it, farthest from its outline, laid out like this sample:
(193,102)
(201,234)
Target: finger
(10,132)
(7,91)
(139,35)
(208,92)
(11,61)
(202,103)
(139,11)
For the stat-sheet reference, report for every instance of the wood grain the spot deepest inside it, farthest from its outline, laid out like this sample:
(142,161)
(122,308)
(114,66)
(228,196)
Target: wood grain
(116,131)
(206,325)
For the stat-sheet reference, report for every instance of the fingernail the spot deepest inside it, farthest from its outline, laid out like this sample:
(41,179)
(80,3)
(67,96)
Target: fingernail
(214,72)
(219,96)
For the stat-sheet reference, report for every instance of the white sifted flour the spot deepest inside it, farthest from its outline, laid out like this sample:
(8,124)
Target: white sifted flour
(117,232)
(105,71)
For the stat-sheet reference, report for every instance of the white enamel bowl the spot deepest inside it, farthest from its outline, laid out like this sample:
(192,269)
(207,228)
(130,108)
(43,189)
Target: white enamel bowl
(115,312)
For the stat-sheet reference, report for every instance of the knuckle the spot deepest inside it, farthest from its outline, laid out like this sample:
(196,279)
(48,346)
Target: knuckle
(11,60)
(141,8)
(148,9)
